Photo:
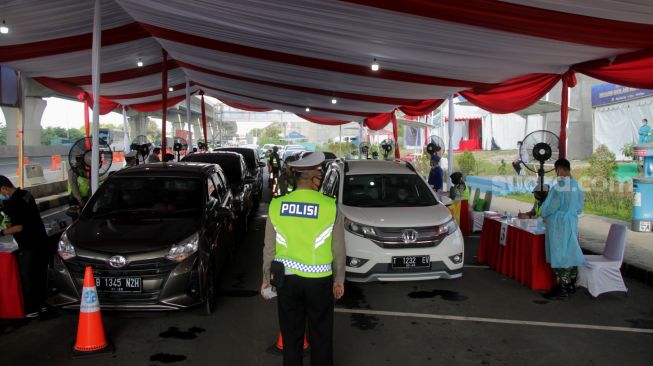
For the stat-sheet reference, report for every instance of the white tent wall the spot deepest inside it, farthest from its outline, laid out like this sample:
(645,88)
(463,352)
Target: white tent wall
(506,129)
(617,125)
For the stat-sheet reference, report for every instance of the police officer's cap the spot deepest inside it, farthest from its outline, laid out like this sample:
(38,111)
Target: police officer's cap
(312,161)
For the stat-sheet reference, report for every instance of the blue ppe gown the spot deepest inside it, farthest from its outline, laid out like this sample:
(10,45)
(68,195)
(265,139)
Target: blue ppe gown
(560,211)
(644,133)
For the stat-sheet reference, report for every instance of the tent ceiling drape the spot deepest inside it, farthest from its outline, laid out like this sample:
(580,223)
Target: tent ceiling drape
(260,55)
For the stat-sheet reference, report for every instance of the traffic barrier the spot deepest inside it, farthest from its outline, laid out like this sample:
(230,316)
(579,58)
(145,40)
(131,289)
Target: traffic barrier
(90,330)
(25,162)
(279,344)
(56,162)
(116,157)
(122,156)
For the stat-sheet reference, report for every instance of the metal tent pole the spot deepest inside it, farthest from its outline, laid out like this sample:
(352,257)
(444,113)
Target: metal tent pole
(190,132)
(21,131)
(164,102)
(95,78)
(126,130)
(452,121)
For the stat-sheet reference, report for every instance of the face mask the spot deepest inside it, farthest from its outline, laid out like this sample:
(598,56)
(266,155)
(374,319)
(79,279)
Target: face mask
(3,197)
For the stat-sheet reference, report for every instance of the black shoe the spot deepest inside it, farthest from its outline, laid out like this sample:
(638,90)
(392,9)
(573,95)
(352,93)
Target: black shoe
(557,293)
(571,289)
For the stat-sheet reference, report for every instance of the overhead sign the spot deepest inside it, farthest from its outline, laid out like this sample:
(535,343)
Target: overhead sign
(608,93)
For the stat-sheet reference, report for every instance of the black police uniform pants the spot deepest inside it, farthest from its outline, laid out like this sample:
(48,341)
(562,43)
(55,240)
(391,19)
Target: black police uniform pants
(303,299)
(33,265)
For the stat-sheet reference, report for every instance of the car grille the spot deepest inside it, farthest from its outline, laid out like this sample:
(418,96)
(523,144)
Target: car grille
(149,269)
(391,237)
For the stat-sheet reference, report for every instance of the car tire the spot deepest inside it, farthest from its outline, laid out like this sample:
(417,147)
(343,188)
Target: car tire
(211,290)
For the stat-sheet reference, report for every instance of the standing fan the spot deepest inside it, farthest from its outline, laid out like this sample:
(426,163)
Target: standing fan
(542,147)
(387,146)
(179,144)
(202,145)
(80,157)
(365,149)
(435,144)
(142,147)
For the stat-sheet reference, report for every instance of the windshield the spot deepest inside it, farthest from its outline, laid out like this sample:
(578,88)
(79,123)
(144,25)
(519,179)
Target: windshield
(386,190)
(145,196)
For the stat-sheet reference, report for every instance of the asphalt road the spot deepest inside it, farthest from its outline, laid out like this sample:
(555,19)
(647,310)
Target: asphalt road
(481,319)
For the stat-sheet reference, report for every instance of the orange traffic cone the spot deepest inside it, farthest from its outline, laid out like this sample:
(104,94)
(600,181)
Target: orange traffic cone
(90,331)
(279,344)
(25,162)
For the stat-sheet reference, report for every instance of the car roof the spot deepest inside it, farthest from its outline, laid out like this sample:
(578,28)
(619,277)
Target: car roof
(360,167)
(230,162)
(247,152)
(169,168)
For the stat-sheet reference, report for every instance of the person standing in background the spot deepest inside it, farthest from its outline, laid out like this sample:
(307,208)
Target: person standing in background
(644,132)
(436,176)
(33,254)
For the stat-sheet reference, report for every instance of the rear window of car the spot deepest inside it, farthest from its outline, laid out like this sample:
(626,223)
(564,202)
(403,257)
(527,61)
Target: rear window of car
(386,190)
(248,154)
(231,165)
(140,196)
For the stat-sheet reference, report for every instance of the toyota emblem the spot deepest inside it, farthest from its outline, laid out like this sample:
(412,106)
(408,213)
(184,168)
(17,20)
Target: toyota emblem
(117,261)
(409,236)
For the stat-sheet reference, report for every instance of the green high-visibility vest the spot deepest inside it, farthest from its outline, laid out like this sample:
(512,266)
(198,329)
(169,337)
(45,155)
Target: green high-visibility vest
(303,221)
(83,184)
(538,210)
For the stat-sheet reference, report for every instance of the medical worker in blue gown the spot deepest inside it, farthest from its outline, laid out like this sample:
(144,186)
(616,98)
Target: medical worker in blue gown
(560,211)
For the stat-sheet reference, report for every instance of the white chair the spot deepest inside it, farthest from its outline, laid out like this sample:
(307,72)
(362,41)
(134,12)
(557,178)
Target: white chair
(602,274)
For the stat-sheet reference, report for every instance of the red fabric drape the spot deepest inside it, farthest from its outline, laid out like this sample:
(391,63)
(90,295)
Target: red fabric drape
(568,81)
(634,69)
(323,120)
(106,105)
(379,121)
(206,140)
(164,101)
(156,105)
(423,108)
(474,132)
(395,134)
(245,106)
(512,95)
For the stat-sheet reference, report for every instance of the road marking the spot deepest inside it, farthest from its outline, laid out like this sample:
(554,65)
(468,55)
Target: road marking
(475,266)
(494,320)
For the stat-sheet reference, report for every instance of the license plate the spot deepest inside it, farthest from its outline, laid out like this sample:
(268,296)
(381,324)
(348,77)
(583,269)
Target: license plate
(420,261)
(118,284)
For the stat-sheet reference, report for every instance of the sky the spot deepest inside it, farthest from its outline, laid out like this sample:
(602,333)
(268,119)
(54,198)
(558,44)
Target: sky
(70,114)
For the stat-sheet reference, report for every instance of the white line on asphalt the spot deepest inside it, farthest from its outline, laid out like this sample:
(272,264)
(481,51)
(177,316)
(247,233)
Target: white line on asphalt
(494,320)
(475,266)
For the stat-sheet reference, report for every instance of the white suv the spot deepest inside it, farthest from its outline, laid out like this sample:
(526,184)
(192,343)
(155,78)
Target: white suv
(396,229)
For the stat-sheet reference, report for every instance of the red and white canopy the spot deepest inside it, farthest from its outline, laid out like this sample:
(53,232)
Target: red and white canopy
(290,55)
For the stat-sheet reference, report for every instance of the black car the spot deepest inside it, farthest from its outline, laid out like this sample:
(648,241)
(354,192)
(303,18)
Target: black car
(156,236)
(254,166)
(240,182)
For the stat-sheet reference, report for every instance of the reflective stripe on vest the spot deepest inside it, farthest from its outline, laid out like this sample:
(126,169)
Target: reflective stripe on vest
(315,268)
(303,221)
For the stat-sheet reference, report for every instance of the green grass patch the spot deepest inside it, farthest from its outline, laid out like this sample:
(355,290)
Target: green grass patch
(615,205)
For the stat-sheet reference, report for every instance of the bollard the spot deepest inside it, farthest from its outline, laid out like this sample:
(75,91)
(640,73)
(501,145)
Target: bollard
(25,162)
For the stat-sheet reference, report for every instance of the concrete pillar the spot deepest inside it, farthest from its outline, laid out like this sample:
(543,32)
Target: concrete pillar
(34,108)
(197,128)
(138,125)
(177,123)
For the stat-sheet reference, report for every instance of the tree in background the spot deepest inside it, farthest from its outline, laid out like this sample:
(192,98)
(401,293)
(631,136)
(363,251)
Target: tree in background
(52,134)
(3,134)
(603,163)
(268,135)
(466,163)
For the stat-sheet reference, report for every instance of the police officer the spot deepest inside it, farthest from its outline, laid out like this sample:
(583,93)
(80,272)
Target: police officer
(274,166)
(131,159)
(305,233)
(33,253)
(79,187)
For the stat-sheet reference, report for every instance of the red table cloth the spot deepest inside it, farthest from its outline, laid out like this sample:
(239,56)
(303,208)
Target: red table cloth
(465,219)
(522,257)
(11,296)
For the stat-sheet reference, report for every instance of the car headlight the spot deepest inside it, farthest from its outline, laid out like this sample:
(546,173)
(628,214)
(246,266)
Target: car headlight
(359,229)
(447,228)
(65,248)
(182,250)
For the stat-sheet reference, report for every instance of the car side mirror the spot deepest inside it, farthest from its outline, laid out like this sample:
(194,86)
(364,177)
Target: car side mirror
(261,164)
(249,179)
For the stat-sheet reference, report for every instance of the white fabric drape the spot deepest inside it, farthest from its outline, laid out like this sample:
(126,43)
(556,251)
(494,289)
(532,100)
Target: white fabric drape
(618,125)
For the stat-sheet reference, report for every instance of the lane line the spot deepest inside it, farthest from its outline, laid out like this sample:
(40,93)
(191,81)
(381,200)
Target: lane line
(494,320)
